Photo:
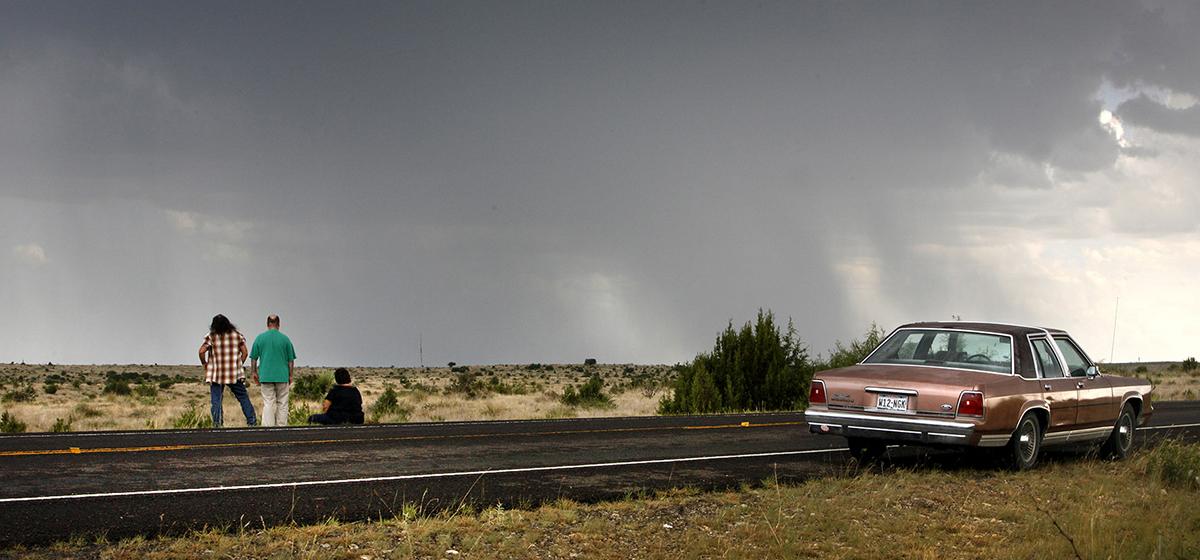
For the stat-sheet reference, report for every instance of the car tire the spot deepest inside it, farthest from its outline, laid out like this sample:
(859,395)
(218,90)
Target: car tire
(866,450)
(1120,441)
(1025,445)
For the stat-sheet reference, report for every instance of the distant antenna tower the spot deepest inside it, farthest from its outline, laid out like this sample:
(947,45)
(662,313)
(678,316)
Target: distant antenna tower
(421,349)
(1112,349)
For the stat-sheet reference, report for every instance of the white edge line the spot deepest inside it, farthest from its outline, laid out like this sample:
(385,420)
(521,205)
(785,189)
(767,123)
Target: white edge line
(1171,426)
(410,476)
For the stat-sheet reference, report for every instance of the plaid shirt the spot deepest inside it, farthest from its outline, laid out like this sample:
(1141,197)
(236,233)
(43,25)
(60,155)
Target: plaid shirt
(223,365)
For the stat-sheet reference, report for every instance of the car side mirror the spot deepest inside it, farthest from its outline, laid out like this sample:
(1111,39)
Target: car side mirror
(1093,372)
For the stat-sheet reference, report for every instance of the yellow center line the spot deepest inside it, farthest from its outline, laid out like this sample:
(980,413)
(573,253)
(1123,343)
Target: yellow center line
(192,446)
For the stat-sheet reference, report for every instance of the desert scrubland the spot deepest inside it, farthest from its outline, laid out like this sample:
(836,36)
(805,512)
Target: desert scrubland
(50,397)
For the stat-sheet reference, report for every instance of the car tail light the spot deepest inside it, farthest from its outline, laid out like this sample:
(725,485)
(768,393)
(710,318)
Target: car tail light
(816,392)
(970,403)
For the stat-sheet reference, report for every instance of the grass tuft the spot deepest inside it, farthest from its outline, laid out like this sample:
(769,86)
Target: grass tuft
(1175,464)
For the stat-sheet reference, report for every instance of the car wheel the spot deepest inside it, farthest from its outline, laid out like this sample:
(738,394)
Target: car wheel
(1025,444)
(866,450)
(1120,442)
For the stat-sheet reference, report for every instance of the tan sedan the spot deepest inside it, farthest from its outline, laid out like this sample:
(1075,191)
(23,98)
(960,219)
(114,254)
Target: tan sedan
(978,385)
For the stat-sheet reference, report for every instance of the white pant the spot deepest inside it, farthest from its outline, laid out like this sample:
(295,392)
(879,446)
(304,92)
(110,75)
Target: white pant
(275,403)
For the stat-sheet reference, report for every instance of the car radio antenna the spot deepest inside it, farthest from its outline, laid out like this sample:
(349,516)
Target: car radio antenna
(1113,347)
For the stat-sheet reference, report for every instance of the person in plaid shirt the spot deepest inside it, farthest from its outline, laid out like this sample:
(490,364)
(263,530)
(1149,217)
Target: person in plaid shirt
(222,355)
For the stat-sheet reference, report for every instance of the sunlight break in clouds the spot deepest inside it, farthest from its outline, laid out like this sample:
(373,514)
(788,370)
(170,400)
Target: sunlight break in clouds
(31,253)
(1112,124)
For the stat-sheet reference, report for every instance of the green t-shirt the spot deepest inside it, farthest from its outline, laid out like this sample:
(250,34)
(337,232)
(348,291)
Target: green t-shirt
(273,350)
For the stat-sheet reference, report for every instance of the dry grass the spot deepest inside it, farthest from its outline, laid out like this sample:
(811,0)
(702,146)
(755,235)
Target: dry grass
(1104,510)
(423,394)
(1171,382)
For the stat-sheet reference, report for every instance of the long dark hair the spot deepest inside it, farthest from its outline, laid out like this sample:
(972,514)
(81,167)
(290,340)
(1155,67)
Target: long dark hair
(221,325)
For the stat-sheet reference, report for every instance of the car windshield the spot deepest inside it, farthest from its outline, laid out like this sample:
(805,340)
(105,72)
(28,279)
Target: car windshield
(946,348)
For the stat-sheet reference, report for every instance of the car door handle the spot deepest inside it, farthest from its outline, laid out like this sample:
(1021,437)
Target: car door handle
(1046,386)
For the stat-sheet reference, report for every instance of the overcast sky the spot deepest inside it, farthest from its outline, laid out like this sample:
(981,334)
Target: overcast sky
(518,182)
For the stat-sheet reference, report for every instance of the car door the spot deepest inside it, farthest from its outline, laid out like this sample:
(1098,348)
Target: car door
(1096,404)
(1058,390)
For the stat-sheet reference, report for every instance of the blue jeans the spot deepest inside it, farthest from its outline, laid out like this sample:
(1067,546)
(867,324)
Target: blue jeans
(217,391)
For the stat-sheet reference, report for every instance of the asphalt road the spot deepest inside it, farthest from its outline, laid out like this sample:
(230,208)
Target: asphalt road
(126,483)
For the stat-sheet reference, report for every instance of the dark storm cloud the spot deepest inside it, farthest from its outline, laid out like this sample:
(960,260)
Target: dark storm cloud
(536,182)
(1143,111)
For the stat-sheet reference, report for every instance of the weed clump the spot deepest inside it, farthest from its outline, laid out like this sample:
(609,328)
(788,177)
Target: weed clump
(10,425)
(86,411)
(590,395)
(298,415)
(61,425)
(1176,464)
(192,418)
(23,394)
(466,383)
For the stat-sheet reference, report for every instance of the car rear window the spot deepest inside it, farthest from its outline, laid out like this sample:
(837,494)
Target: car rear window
(946,348)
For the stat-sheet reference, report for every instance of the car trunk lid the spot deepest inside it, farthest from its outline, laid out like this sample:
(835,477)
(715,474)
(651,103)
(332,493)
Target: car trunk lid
(922,390)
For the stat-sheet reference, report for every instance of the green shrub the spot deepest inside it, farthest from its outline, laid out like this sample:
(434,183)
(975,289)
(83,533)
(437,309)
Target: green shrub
(590,394)
(312,387)
(50,388)
(23,394)
(389,404)
(1141,369)
(496,386)
(1176,464)
(758,367)
(466,383)
(1189,364)
(117,387)
(61,425)
(148,391)
(298,415)
(10,425)
(192,418)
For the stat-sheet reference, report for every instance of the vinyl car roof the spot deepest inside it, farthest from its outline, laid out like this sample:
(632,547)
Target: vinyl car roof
(1001,328)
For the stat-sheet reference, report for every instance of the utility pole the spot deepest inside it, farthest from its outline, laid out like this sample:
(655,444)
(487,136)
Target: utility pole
(421,348)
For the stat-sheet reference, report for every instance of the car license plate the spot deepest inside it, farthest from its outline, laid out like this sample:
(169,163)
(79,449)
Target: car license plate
(898,403)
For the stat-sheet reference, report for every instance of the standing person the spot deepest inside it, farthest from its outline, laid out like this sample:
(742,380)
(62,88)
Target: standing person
(343,404)
(222,355)
(274,376)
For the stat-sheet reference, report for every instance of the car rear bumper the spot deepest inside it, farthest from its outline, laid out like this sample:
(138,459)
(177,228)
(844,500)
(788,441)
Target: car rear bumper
(913,430)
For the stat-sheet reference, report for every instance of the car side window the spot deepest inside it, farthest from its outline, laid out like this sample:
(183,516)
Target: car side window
(1076,364)
(1047,359)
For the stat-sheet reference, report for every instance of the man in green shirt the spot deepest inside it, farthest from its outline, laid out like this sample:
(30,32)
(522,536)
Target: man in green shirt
(274,376)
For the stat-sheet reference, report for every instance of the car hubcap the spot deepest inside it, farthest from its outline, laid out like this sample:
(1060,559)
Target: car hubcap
(1028,443)
(1126,432)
